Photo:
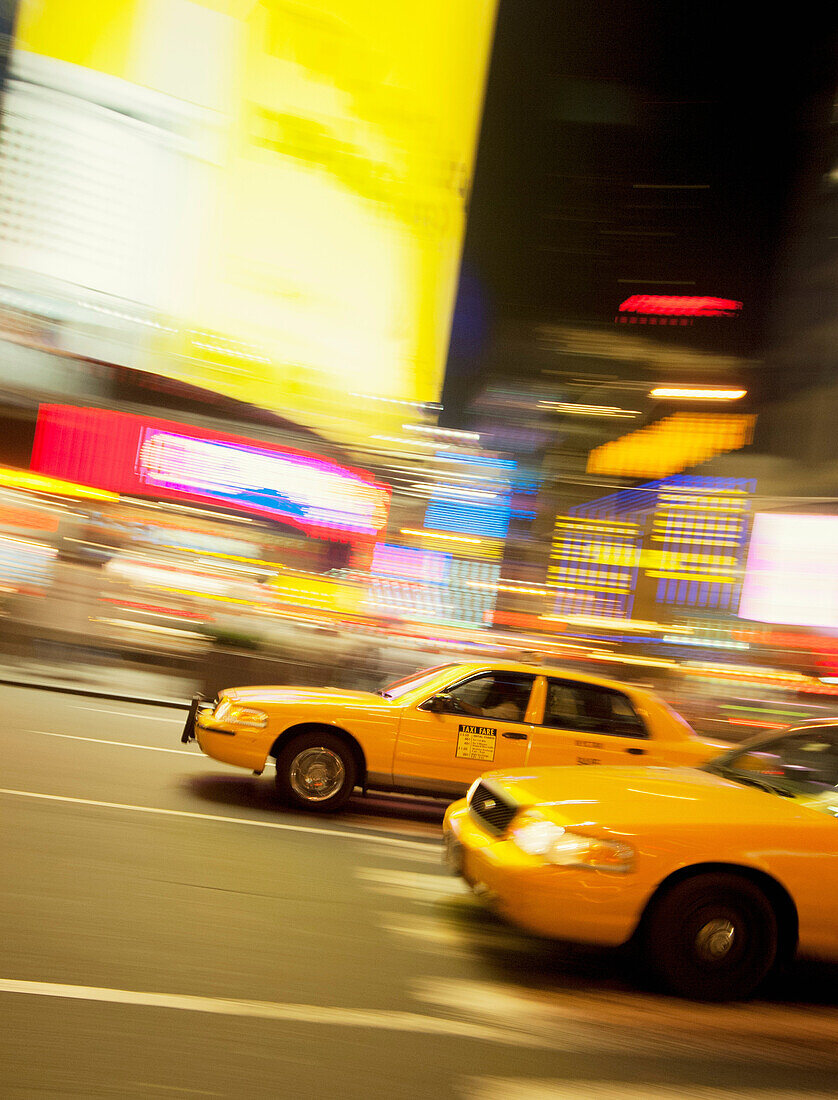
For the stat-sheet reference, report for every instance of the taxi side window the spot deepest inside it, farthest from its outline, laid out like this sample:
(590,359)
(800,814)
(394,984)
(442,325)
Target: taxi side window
(502,695)
(591,709)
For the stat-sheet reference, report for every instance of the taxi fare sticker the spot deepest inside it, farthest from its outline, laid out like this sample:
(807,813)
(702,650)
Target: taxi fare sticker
(476,742)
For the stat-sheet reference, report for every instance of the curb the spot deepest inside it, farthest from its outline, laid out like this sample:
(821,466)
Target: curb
(92,693)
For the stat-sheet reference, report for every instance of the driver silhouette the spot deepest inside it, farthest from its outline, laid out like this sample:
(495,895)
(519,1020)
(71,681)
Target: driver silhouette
(506,701)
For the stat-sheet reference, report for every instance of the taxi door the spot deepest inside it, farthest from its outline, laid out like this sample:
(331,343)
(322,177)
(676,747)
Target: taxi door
(586,723)
(446,752)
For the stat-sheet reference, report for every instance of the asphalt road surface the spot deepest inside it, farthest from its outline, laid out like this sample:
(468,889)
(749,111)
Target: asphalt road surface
(168,930)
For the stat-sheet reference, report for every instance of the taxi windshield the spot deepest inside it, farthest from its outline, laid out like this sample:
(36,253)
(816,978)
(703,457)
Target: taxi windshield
(408,683)
(801,763)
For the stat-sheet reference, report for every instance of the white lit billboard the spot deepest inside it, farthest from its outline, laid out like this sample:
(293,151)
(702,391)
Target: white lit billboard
(791,576)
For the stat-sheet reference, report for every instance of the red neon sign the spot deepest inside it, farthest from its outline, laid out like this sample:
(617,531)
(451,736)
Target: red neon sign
(147,457)
(680,305)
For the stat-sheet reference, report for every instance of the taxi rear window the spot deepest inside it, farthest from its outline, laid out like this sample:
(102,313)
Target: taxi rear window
(591,708)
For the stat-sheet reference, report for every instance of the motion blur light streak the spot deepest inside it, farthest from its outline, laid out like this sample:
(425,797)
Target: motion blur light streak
(756,724)
(445,433)
(439,535)
(569,409)
(506,586)
(696,393)
(155,609)
(52,486)
(634,625)
(145,456)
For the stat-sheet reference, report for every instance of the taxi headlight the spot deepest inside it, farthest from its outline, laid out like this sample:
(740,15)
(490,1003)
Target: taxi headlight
(235,714)
(562,847)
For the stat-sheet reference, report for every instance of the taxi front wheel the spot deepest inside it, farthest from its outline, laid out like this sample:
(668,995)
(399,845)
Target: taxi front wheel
(316,771)
(713,938)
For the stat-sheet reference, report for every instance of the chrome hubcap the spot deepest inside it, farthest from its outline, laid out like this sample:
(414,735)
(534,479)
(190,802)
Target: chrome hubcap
(715,939)
(316,774)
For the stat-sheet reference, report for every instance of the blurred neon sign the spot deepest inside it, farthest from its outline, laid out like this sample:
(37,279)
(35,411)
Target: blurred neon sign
(672,444)
(148,457)
(680,305)
(428,566)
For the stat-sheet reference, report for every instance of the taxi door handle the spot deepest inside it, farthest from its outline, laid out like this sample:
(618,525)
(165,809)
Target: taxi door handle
(636,752)
(515,736)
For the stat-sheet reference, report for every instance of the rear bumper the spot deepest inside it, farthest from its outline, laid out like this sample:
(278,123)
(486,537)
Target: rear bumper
(558,902)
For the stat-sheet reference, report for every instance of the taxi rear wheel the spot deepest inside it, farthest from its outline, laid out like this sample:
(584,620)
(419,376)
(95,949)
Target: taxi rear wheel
(316,771)
(712,937)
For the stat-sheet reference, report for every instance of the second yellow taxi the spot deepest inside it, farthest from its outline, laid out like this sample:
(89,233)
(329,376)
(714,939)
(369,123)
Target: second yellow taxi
(436,731)
(717,874)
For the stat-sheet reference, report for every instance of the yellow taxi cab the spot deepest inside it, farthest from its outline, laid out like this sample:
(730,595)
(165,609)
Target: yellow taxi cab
(717,874)
(436,731)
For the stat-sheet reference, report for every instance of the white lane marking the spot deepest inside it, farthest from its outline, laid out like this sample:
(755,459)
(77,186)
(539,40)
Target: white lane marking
(485,1000)
(173,1088)
(412,884)
(132,714)
(436,932)
(273,1010)
(433,936)
(506,1088)
(122,744)
(432,855)
(396,842)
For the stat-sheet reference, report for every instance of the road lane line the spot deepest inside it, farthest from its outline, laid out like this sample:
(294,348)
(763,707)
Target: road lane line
(444,935)
(122,744)
(432,856)
(437,937)
(194,753)
(131,714)
(274,1010)
(511,1088)
(396,842)
(416,885)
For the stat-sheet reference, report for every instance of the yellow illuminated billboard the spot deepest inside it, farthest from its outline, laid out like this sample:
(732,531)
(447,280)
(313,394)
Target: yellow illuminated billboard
(674,443)
(272,193)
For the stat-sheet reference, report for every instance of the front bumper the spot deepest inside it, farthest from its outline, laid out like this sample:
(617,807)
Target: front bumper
(188,734)
(564,903)
(229,744)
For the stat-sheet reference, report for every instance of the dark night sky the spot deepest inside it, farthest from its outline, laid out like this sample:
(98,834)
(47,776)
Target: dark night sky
(590,108)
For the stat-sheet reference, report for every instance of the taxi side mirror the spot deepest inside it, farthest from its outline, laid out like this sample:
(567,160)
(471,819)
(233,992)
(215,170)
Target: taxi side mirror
(436,703)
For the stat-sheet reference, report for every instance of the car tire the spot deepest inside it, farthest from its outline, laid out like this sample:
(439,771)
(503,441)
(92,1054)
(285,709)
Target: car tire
(316,771)
(711,938)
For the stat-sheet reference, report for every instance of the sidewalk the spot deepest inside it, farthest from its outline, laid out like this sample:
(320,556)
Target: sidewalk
(121,682)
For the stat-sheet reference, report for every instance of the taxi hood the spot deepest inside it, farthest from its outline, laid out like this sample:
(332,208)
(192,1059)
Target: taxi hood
(624,797)
(279,695)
